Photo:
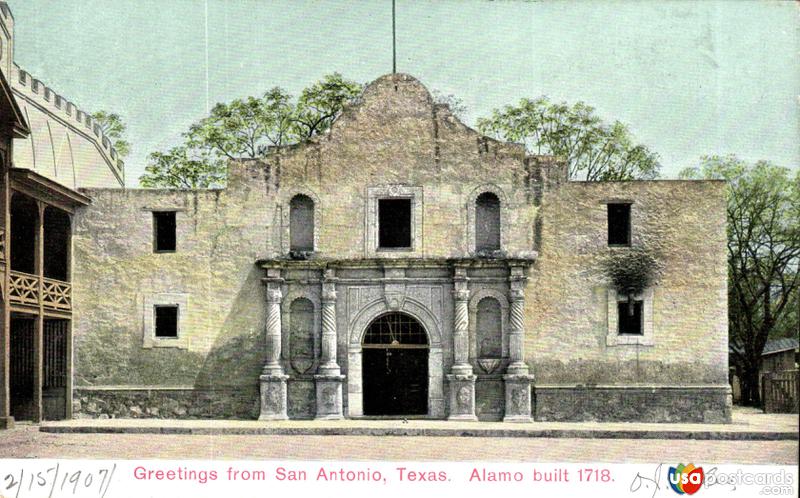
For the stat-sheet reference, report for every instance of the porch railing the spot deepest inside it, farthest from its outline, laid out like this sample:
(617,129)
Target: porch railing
(57,294)
(54,295)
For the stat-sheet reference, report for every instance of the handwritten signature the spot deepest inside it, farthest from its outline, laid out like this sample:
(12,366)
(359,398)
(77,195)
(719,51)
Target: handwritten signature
(641,481)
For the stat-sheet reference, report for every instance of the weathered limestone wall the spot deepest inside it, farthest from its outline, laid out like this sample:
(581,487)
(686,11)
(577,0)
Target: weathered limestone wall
(397,136)
(397,140)
(116,272)
(394,137)
(567,317)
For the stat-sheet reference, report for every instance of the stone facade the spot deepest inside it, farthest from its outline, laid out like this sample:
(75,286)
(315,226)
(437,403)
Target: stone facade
(514,333)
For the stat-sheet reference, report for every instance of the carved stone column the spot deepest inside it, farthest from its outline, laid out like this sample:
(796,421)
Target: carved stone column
(461,324)
(461,380)
(517,378)
(273,379)
(329,378)
(516,333)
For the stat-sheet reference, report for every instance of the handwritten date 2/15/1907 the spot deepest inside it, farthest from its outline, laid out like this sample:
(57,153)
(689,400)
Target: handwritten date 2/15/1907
(59,481)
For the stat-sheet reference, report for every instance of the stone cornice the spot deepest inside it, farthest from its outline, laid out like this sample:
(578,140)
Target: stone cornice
(416,263)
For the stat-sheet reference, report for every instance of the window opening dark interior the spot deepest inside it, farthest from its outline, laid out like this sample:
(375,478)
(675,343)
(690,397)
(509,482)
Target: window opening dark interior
(629,323)
(301,223)
(619,224)
(167,321)
(56,244)
(394,223)
(24,223)
(487,222)
(164,231)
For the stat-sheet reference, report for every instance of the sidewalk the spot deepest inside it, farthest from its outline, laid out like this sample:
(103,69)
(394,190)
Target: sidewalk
(747,425)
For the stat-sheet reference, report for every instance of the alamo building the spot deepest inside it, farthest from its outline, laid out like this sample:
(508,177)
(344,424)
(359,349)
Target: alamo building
(401,265)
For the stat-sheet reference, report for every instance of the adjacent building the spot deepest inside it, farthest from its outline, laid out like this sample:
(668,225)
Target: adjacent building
(48,148)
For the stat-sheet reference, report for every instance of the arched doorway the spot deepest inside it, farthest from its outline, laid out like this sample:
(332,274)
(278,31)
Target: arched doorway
(395,366)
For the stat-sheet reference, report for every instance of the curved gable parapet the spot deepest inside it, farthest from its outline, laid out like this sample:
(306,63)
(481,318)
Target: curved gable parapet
(396,94)
(395,133)
(400,94)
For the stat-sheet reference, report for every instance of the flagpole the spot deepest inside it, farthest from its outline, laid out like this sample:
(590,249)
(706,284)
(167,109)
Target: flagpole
(394,41)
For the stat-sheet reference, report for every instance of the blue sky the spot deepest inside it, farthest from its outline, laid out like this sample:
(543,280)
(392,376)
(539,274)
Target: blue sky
(689,78)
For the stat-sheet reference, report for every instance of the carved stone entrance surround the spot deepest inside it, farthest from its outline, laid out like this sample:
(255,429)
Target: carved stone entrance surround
(395,292)
(435,292)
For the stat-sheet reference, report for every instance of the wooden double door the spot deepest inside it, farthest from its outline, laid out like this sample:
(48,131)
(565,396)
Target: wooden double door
(23,369)
(395,367)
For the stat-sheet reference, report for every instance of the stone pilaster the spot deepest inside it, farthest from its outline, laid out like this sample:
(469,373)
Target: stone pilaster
(273,397)
(462,397)
(516,323)
(329,364)
(273,379)
(329,379)
(461,381)
(273,332)
(518,398)
(517,378)
(329,397)
(461,323)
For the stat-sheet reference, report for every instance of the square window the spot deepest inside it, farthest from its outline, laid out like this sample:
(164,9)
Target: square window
(619,224)
(629,317)
(394,223)
(164,231)
(166,322)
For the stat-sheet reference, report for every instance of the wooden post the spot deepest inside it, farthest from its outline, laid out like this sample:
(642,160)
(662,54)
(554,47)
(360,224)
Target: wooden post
(68,383)
(6,421)
(69,352)
(766,389)
(38,332)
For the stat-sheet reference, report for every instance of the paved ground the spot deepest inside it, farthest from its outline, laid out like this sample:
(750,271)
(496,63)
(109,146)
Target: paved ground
(28,441)
(746,425)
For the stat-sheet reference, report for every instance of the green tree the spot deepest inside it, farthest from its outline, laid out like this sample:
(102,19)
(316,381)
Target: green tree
(592,149)
(114,129)
(247,128)
(763,257)
(320,104)
(183,168)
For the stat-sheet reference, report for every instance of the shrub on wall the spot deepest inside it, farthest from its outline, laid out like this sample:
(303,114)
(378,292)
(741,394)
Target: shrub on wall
(631,271)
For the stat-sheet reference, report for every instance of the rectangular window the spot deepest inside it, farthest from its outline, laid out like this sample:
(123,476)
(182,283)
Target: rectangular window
(630,323)
(394,223)
(619,224)
(166,321)
(164,231)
